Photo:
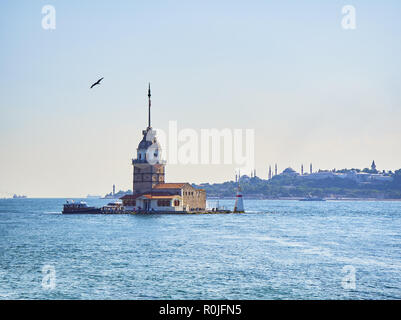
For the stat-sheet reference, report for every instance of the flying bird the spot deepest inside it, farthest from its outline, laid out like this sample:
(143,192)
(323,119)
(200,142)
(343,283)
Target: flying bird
(96,83)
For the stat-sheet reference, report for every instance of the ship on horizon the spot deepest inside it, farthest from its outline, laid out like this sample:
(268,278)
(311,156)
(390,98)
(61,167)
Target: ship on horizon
(15,196)
(91,196)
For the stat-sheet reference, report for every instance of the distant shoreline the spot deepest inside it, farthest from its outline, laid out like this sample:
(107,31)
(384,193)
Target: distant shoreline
(299,198)
(247,198)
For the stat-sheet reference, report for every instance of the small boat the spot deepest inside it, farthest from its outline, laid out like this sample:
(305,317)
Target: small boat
(72,207)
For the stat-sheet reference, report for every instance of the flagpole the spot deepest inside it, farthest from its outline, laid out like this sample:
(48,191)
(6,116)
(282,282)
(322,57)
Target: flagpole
(149,95)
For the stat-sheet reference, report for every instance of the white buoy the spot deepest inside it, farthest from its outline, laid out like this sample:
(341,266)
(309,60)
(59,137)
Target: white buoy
(239,202)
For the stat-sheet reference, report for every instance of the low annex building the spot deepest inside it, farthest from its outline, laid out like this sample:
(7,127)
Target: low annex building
(167,197)
(150,192)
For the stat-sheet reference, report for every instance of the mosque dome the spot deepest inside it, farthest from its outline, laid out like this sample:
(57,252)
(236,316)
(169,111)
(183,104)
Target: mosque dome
(290,171)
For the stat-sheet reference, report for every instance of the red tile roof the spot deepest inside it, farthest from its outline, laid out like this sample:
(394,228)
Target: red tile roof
(161,187)
(149,195)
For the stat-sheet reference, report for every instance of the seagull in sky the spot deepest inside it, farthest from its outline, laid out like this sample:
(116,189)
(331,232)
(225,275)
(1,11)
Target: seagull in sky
(96,83)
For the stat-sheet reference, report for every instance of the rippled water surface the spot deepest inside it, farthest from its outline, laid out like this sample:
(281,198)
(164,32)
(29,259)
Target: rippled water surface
(277,250)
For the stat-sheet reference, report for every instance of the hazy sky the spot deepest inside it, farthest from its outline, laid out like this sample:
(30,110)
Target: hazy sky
(312,91)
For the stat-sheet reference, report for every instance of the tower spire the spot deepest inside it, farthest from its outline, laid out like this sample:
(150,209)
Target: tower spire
(149,95)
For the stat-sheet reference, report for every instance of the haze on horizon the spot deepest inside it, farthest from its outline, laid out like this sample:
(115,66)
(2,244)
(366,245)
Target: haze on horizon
(312,91)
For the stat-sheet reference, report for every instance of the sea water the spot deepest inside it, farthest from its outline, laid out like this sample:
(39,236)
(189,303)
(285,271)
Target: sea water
(276,250)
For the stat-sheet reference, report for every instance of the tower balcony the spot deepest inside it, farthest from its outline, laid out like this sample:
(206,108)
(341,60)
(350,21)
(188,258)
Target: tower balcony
(142,161)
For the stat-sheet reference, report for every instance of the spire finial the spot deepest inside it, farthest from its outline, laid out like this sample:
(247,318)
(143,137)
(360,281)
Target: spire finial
(149,95)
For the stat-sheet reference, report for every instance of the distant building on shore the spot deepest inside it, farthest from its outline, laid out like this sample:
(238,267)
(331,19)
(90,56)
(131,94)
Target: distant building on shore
(360,176)
(371,175)
(373,166)
(289,172)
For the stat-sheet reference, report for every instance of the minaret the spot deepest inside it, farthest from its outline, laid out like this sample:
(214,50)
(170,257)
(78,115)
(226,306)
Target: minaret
(302,169)
(275,169)
(310,169)
(270,172)
(114,189)
(239,202)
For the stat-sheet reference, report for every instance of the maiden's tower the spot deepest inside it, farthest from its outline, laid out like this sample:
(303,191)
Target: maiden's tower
(150,191)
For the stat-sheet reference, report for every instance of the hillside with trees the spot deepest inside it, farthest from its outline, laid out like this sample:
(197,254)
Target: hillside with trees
(295,186)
